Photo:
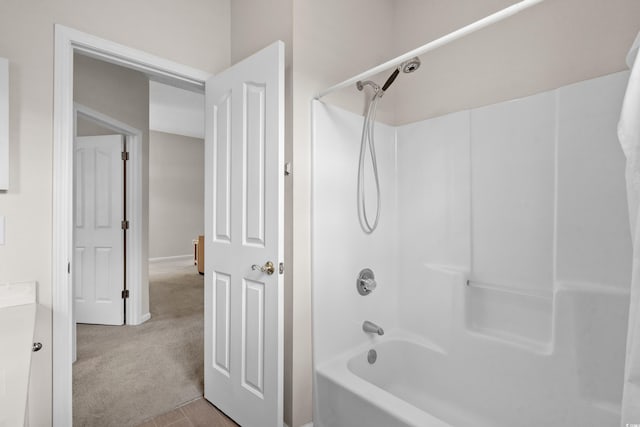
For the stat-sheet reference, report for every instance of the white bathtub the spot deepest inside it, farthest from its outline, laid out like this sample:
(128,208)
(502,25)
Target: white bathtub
(415,383)
(352,393)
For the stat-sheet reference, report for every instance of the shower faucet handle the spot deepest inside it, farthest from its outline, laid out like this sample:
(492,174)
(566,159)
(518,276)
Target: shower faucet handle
(366,282)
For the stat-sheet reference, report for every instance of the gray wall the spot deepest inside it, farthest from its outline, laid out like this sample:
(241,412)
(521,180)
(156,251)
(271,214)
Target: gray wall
(86,127)
(176,193)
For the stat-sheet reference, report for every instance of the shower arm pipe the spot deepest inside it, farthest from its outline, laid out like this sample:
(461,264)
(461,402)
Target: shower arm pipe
(432,45)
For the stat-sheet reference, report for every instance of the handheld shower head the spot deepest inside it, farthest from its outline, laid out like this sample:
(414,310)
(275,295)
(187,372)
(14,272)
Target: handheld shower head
(407,67)
(390,80)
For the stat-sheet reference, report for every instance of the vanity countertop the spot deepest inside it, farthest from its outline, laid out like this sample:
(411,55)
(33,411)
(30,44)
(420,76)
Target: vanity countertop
(17,323)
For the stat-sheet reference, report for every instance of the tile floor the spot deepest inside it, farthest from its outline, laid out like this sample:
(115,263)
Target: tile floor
(197,413)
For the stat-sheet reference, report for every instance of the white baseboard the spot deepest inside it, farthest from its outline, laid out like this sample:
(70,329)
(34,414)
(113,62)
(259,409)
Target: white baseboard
(143,319)
(171,258)
(306,425)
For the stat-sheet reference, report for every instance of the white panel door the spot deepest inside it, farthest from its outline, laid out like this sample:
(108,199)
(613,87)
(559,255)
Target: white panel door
(244,218)
(98,239)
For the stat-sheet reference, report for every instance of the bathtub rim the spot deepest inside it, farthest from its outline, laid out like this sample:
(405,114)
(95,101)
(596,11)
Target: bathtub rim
(337,372)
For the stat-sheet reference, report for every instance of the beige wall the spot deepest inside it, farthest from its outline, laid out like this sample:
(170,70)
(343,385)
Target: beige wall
(332,40)
(257,24)
(176,193)
(547,46)
(122,94)
(199,37)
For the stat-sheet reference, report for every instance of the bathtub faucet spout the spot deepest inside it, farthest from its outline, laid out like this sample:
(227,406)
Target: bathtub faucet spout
(372,328)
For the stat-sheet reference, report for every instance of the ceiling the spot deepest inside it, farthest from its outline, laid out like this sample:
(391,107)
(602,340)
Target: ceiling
(176,111)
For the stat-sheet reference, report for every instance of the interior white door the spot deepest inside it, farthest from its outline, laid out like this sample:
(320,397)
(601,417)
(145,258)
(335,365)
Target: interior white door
(98,239)
(244,219)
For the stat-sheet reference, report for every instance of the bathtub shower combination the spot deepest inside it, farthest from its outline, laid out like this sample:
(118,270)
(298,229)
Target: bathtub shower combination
(498,275)
(472,269)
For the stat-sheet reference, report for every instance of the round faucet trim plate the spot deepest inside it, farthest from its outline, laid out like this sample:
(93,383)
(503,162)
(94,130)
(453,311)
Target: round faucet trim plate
(365,283)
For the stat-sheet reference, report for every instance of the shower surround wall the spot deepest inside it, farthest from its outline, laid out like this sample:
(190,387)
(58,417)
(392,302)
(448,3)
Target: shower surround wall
(347,249)
(524,202)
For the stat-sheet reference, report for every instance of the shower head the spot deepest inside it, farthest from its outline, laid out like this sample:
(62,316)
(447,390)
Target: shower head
(411,65)
(407,67)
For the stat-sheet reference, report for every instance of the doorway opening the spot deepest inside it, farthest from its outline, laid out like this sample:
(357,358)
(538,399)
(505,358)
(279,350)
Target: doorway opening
(90,122)
(68,43)
(248,152)
(163,347)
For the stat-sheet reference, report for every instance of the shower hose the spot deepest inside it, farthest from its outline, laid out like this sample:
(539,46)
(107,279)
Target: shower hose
(367,142)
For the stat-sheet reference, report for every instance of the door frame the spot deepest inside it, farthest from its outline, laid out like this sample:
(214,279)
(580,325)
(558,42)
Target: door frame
(133,140)
(67,42)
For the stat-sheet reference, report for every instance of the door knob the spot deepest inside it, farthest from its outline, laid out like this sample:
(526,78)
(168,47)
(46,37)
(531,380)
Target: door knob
(266,268)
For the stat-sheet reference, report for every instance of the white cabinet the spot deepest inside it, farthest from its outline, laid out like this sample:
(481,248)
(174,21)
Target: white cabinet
(17,322)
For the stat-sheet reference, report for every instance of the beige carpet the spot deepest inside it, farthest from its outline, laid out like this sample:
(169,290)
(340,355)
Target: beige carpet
(126,374)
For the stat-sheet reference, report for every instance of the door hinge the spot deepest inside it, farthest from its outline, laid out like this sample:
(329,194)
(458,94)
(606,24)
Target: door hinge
(125,294)
(125,224)
(287,169)
(281,268)
(125,155)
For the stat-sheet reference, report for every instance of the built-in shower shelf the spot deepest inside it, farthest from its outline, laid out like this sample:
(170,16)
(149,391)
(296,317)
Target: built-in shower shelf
(527,292)
(520,341)
(518,317)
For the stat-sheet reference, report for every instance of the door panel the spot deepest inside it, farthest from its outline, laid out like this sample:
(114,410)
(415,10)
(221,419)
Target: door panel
(222,165)
(98,275)
(221,322)
(254,164)
(253,333)
(244,202)
(78,263)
